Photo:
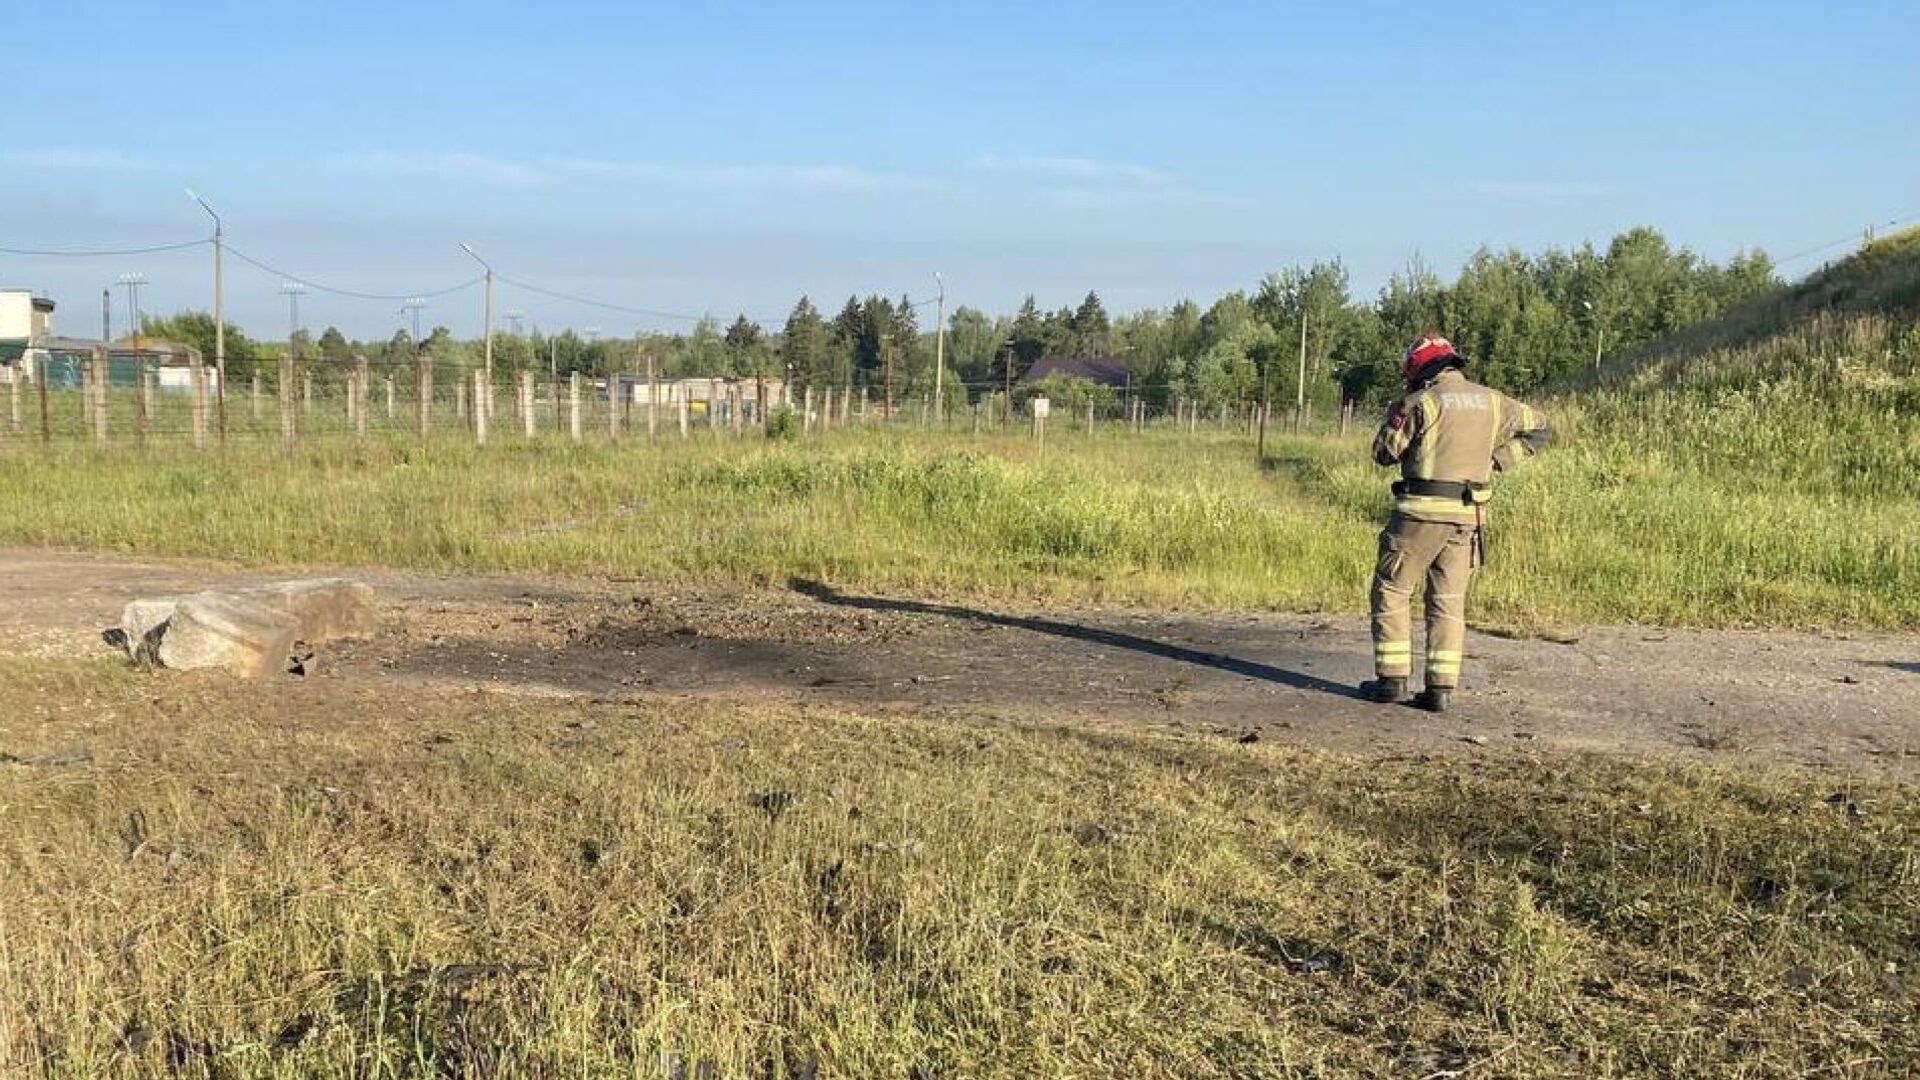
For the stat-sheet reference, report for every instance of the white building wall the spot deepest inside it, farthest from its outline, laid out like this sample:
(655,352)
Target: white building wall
(16,314)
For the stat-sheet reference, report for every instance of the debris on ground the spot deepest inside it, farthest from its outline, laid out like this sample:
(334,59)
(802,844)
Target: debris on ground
(248,632)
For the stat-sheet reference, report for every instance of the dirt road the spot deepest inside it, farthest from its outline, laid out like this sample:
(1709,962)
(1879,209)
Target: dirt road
(1834,700)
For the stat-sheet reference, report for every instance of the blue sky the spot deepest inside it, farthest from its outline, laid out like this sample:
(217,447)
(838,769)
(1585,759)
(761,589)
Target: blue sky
(691,158)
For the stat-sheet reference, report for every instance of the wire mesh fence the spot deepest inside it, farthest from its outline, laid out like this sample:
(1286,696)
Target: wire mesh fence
(117,401)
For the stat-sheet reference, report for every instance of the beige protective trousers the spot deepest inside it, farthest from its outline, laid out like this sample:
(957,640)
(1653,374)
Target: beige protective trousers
(1446,555)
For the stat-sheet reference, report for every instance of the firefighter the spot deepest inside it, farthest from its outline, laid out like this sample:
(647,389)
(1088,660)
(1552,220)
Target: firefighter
(1449,436)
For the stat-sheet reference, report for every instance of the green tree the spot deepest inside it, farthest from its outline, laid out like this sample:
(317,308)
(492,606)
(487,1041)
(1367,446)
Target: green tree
(745,355)
(1029,334)
(195,328)
(334,346)
(973,341)
(1090,327)
(912,367)
(804,346)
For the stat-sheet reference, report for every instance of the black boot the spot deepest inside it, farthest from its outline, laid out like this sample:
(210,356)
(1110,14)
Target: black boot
(1385,691)
(1433,698)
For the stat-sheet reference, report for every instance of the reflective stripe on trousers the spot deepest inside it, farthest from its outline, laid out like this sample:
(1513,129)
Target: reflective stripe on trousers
(1441,554)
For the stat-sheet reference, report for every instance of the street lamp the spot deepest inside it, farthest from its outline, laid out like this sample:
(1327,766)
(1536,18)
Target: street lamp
(219,315)
(468,248)
(1599,332)
(940,350)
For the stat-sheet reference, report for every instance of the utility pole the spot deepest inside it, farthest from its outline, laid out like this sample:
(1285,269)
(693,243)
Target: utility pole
(1599,332)
(133,282)
(219,315)
(289,367)
(1006,402)
(293,291)
(412,309)
(940,353)
(468,248)
(1266,406)
(1300,388)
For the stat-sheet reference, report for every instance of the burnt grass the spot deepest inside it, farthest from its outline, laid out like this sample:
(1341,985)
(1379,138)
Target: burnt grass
(322,878)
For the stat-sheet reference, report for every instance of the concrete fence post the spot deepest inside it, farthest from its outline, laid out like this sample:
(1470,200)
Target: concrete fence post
(573,406)
(97,393)
(288,431)
(460,399)
(142,402)
(526,403)
(256,399)
(685,408)
(362,389)
(613,407)
(806,411)
(13,396)
(199,405)
(479,410)
(423,398)
(389,381)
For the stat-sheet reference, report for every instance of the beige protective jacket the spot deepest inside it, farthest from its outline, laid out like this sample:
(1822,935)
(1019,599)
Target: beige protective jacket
(1455,430)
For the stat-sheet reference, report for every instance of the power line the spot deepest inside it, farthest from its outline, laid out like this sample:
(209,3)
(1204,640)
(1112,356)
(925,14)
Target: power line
(354,293)
(607,305)
(102,252)
(1849,238)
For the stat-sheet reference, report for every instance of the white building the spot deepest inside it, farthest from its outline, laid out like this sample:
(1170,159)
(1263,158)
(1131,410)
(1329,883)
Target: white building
(704,393)
(25,321)
(24,316)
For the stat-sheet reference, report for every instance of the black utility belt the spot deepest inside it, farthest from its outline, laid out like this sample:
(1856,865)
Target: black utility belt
(1468,493)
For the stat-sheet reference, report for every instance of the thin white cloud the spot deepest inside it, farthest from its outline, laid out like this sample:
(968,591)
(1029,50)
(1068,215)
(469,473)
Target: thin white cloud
(452,165)
(806,177)
(1543,193)
(1077,169)
(507,172)
(79,160)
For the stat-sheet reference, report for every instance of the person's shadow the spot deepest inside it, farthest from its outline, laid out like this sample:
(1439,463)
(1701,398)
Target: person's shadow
(1114,639)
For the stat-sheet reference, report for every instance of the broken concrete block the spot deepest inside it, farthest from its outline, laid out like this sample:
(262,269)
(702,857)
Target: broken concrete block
(142,617)
(248,632)
(212,631)
(328,609)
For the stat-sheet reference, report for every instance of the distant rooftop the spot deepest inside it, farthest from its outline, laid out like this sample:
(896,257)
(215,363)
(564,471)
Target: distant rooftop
(1105,370)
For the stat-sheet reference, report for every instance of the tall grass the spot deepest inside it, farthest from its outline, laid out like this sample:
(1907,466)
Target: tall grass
(1758,471)
(1611,526)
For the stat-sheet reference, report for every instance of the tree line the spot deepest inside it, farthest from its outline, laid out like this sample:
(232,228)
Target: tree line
(1524,320)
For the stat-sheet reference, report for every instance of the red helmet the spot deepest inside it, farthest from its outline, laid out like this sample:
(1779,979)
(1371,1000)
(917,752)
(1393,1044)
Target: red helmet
(1426,350)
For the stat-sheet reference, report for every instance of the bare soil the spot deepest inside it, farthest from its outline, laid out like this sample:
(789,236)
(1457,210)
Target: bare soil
(1824,700)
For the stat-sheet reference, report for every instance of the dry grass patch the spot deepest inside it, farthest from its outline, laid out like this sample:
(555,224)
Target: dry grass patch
(320,880)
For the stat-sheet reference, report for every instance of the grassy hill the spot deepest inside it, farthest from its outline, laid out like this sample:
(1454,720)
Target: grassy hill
(1759,468)
(1815,390)
(1763,465)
